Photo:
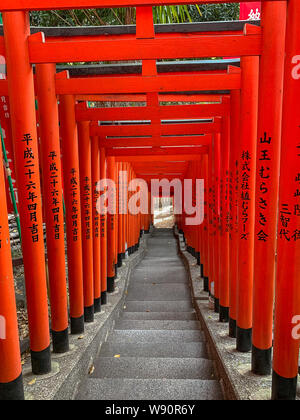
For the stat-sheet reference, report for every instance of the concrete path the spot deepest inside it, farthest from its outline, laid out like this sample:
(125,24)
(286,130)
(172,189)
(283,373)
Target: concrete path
(157,350)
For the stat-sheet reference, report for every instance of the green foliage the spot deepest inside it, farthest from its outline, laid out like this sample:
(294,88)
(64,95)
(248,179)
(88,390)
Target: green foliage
(126,16)
(215,12)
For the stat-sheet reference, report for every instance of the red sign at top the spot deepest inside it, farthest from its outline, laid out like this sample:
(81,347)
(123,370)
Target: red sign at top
(250,11)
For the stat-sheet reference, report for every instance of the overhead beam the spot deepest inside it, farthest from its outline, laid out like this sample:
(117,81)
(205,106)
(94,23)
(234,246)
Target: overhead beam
(151,167)
(140,84)
(162,112)
(168,97)
(71,31)
(175,151)
(155,158)
(142,98)
(130,48)
(136,68)
(147,130)
(157,141)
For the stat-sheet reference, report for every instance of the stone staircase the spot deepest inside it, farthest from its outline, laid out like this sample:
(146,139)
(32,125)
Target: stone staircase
(157,350)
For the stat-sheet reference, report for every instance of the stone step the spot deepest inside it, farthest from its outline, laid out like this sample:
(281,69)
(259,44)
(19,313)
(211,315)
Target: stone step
(128,324)
(194,350)
(158,306)
(150,389)
(155,336)
(147,276)
(170,261)
(171,291)
(171,316)
(153,368)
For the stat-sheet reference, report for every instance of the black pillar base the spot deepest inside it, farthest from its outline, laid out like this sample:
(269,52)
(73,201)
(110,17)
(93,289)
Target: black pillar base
(243,339)
(89,314)
(103,298)
(261,361)
(194,252)
(181,232)
(60,341)
(232,328)
(77,325)
(97,305)
(205,284)
(123,256)
(12,391)
(110,284)
(224,314)
(217,305)
(201,270)
(198,258)
(120,260)
(147,232)
(283,389)
(41,361)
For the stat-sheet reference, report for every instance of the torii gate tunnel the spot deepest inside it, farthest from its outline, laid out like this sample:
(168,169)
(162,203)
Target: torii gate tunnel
(233,122)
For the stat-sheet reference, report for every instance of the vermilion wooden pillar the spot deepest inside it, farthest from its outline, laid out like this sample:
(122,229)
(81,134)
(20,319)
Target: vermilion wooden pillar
(85,169)
(53,202)
(211,230)
(23,118)
(224,217)
(205,229)
(117,218)
(267,182)
(247,167)
(123,206)
(95,153)
(111,234)
(103,221)
(11,382)
(234,209)
(216,199)
(120,217)
(130,222)
(125,169)
(287,307)
(70,159)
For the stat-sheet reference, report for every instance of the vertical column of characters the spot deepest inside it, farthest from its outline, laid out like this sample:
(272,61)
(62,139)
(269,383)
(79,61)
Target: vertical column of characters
(247,167)
(103,224)
(111,234)
(234,209)
(70,160)
(85,169)
(225,215)
(95,158)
